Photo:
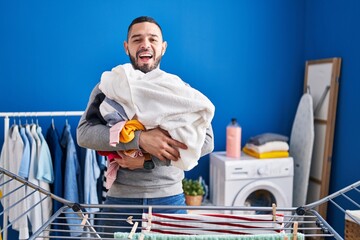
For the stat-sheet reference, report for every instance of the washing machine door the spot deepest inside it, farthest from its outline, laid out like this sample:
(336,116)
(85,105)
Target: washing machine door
(260,194)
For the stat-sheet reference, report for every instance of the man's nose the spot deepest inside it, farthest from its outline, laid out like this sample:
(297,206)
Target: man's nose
(145,44)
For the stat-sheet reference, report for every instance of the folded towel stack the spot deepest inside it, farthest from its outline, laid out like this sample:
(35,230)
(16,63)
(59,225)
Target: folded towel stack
(267,145)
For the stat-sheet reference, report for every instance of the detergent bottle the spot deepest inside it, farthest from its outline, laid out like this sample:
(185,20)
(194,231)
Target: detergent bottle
(233,139)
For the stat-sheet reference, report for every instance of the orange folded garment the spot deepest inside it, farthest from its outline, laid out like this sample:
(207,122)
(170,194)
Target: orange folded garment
(128,132)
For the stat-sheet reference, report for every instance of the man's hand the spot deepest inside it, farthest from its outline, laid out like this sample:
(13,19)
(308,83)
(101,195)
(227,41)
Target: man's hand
(158,143)
(130,162)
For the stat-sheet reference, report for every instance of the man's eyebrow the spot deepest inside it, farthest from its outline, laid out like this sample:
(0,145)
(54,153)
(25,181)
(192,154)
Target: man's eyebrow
(140,35)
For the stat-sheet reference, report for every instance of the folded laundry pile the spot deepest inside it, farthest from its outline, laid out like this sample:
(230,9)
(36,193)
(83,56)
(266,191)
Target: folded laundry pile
(267,145)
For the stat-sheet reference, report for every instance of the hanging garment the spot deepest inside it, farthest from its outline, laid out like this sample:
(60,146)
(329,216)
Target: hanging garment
(13,149)
(25,160)
(101,183)
(35,214)
(45,170)
(72,173)
(56,152)
(91,174)
(42,161)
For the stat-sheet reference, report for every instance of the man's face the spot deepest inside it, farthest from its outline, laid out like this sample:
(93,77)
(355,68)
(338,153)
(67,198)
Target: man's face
(145,46)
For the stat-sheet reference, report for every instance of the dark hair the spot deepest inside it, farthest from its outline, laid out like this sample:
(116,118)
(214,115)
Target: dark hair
(140,20)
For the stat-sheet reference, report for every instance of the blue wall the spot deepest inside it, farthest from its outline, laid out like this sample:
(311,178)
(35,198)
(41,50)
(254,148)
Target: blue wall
(247,56)
(332,30)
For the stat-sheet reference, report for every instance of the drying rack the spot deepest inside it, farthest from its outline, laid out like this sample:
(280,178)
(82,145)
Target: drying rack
(304,221)
(296,221)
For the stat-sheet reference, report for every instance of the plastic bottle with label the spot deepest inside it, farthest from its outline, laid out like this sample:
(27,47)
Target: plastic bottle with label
(233,139)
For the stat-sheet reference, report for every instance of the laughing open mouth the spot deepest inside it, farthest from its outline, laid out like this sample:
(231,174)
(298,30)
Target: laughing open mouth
(145,56)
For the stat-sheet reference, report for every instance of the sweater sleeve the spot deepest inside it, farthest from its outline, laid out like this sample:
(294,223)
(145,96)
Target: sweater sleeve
(92,131)
(208,145)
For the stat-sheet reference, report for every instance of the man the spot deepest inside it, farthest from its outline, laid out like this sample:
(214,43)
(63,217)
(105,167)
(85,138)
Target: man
(139,183)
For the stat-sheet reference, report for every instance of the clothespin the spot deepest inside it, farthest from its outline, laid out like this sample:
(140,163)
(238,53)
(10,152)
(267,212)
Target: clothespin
(295,230)
(148,227)
(274,212)
(133,230)
(141,237)
(84,220)
(129,220)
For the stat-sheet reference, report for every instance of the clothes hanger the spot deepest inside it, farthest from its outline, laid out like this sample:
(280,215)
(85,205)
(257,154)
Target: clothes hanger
(19,120)
(36,120)
(32,119)
(52,122)
(66,119)
(26,119)
(33,123)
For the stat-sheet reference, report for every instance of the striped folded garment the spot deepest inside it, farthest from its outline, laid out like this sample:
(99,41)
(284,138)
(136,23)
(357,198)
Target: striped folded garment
(142,236)
(210,227)
(214,223)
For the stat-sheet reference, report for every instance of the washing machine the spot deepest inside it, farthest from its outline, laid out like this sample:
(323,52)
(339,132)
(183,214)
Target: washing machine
(250,181)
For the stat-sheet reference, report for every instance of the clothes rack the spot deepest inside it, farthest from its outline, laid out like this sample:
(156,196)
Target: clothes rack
(7,115)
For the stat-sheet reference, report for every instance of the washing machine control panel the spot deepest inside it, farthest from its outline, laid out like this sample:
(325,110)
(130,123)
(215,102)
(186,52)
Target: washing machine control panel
(248,167)
(262,171)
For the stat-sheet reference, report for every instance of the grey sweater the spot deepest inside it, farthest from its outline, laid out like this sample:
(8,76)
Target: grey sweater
(162,181)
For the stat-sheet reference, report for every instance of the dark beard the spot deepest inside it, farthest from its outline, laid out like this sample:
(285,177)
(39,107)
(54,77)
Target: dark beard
(146,67)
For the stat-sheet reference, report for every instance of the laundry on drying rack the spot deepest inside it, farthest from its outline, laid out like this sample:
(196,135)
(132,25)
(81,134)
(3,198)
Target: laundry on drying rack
(210,226)
(213,223)
(138,236)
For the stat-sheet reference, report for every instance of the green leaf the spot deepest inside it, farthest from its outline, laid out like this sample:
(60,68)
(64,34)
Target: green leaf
(192,187)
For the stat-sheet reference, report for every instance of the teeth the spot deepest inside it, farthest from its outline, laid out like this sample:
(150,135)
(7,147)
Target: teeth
(145,55)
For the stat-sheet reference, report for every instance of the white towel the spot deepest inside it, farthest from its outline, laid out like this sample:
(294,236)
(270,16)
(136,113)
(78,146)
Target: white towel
(160,99)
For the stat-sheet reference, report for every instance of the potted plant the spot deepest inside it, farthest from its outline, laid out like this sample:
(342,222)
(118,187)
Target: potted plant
(194,191)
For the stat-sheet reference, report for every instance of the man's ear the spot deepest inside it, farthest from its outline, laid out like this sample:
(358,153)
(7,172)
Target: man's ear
(164,46)
(126,48)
